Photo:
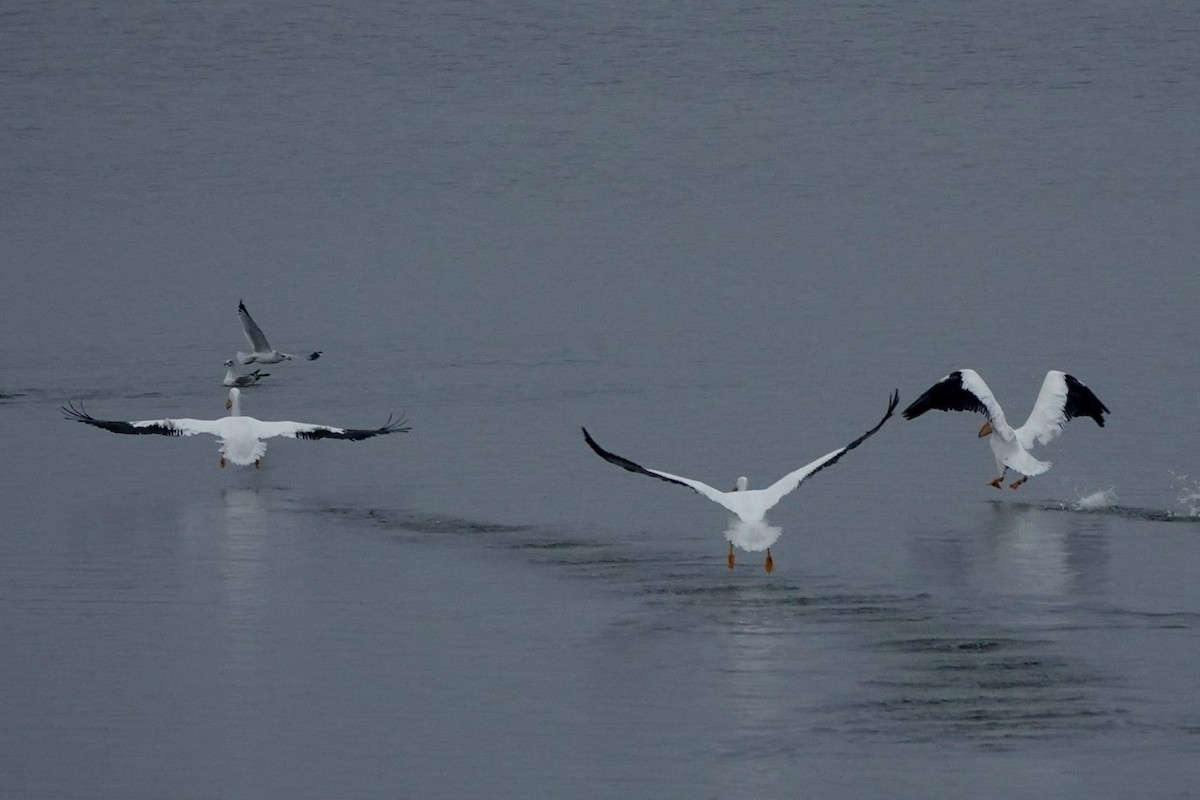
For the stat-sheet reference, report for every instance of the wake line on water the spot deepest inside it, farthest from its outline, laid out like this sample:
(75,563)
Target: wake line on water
(420,523)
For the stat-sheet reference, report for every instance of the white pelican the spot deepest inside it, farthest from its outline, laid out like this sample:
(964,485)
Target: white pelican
(263,352)
(241,381)
(750,505)
(241,437)
(1062,398)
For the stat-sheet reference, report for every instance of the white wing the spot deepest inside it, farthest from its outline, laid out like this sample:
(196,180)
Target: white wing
(734,501)
(788,483)
(776,491)
(304,430)
(160,427)
(1061,399)
(715,495)
(1047,418)
(254,334)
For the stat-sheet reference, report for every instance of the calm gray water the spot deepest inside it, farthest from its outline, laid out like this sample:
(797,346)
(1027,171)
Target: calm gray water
(716,235)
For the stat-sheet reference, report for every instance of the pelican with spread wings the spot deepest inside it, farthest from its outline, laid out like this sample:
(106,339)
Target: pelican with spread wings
(750,505)
(1061,399)
(242,439)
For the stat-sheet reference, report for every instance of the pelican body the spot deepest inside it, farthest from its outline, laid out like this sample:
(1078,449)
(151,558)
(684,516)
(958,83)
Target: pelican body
(1061,399)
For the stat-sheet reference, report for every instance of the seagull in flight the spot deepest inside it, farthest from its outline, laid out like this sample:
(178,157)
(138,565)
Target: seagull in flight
(241,381)
(1061,399)
(241,438)
(262,353)
(750,505)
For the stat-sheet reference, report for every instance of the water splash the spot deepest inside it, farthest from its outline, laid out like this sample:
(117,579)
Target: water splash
(1188,495)
(1097,501)
(1105,502)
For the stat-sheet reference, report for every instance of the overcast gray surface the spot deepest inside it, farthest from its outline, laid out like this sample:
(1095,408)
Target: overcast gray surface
(716,236)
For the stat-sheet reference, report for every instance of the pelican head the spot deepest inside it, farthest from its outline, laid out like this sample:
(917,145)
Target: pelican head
(986,429)
(741,484)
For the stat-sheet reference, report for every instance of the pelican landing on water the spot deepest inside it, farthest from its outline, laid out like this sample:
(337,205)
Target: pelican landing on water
(1061,399)
(750,505)
(241,438)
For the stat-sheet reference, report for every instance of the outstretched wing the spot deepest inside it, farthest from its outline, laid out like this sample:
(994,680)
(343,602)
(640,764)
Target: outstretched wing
(159,427)
(254,334)
(961,390)
(303,430)
(700,487)
(776,491)
(1061,399)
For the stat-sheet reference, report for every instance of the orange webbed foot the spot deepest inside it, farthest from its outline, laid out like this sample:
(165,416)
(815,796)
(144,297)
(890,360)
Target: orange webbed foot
(258,463)
(996,483)
(221,463)
(1017,483)
(731,560)
(769,564)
